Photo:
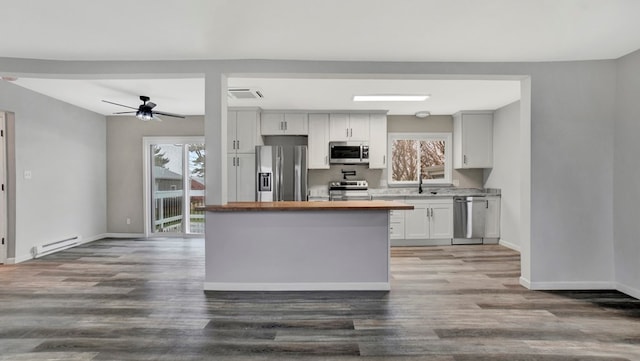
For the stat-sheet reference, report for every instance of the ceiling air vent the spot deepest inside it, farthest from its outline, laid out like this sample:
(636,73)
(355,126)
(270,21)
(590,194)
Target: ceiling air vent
(244,93)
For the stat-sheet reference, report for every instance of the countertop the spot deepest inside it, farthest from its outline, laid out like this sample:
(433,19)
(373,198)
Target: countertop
(376,205)
(430,192)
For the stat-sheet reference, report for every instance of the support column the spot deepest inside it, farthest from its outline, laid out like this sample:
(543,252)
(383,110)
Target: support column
(215,138)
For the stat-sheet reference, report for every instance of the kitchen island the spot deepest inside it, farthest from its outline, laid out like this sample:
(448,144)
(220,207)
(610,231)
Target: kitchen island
(298,246)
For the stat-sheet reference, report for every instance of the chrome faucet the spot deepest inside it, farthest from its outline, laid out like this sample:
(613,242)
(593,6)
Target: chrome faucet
(420,184)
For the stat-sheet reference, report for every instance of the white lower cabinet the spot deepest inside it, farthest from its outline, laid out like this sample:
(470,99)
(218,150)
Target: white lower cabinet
(241,177)
(396,224)
(492,218)
(429,223)
(441,219)
(416,221)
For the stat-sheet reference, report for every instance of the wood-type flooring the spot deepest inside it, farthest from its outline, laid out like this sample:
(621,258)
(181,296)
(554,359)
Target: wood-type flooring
(143,300)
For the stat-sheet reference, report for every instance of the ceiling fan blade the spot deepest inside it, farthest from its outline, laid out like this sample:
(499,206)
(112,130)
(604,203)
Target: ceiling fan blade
(170,114)
(151,105)
(156,118)
(122,105)
(124,113)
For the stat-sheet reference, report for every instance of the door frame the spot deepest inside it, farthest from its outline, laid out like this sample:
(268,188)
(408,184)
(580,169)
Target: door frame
(4,220)
(146,178)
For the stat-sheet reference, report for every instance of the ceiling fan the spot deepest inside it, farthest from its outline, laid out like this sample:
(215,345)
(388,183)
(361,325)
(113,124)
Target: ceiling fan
(144,111)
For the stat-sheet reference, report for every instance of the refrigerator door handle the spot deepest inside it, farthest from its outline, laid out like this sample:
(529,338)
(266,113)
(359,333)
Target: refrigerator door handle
(279,172)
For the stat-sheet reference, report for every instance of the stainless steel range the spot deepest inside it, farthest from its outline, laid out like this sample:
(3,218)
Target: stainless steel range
(349,190)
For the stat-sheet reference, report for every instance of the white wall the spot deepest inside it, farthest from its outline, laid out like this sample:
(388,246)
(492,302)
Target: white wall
(125,165)
(64,148)
(627,175)
(567,242)
(572,107)
(505,174)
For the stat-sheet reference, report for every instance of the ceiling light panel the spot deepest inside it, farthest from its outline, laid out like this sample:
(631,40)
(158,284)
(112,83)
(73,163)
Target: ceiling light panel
(390,98)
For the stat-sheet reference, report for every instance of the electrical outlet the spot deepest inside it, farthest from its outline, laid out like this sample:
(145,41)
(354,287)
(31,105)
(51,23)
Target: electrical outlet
(128,220)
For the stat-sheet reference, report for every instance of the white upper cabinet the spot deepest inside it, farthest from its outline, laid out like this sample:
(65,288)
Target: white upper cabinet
(338,127)
(378,141)
(359,127)
(318,141)
(272,123)
(349,127)
(242,131)
(296,123)
(473,139)
(281,123)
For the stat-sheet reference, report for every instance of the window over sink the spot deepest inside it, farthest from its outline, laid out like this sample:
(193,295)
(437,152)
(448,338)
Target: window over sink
(414,155)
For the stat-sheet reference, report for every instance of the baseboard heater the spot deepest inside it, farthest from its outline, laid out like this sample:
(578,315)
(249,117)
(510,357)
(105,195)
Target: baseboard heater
(45,249)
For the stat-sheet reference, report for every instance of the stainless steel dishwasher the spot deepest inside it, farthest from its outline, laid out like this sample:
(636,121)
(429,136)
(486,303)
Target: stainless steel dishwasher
(468,219)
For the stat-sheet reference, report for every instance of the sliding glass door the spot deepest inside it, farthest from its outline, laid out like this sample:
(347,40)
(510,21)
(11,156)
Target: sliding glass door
(176,187)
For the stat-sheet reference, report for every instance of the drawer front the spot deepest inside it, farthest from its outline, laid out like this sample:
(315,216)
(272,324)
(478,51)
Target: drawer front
(396,230)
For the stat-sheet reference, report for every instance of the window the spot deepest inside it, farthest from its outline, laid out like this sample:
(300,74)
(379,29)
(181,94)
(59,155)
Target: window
(419,154)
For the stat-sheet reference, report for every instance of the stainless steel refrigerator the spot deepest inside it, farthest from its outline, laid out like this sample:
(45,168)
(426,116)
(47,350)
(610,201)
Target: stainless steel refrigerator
(281,173)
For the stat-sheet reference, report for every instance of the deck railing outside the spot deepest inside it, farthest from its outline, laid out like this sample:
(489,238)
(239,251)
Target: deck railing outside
(169,211)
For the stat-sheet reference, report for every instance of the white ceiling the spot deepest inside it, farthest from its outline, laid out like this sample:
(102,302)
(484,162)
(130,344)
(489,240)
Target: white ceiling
(377,30)
(186,96)
(447,96)
(368,30)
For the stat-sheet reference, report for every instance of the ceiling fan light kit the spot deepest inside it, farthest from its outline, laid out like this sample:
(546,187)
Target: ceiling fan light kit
(145,110)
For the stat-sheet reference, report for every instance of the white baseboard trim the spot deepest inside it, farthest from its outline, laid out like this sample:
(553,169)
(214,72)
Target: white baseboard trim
(92,238)
(312,286)
(24,257)
(10,261)
(580,285)
(420,242)
(633,292)
(515,247)
(525,283)
(123,235)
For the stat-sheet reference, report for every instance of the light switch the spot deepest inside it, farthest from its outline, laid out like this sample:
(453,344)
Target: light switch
(27,174)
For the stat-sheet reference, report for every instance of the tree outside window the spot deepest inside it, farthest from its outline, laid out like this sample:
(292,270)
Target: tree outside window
(414,155)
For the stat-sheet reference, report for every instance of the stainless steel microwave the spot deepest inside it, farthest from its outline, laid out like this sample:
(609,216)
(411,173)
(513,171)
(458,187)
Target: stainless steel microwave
(348,153)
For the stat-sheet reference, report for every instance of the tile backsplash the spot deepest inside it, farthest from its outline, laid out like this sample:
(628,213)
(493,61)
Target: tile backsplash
(319,178)
(377,178)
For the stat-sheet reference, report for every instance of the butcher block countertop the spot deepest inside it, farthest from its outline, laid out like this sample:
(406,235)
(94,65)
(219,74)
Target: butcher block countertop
(307,206)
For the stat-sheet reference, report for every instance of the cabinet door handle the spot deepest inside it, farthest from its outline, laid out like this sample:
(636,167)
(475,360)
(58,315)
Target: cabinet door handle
(350,132)
(234,145)
(238,144)
(384,159)
(347,129)
(431,212)
(464,159)
(285,125)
